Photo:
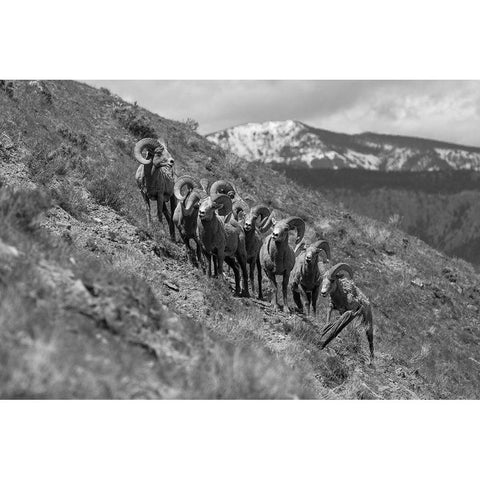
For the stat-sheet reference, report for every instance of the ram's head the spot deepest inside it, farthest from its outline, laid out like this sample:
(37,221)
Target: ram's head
(193,193)
(260,214)
(331,276)
(153,151)
(313,251)
(282,227)
(220,203)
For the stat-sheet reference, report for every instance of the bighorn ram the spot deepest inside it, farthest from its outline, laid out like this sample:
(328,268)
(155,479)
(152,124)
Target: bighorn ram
(186,214)
(307,275)
(253,242)
(228,188)
(155,179)
(222,238)
(349,300)
(277,257)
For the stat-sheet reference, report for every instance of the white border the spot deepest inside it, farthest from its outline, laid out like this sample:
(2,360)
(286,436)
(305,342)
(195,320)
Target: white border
(252,39)
(239,439)
(241,40)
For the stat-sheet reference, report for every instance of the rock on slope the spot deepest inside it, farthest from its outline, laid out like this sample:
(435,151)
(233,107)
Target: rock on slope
(131,318)
(297,144)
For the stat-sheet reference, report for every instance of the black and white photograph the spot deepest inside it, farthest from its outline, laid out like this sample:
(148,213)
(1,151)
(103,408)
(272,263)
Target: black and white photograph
(290,221)
(240,252)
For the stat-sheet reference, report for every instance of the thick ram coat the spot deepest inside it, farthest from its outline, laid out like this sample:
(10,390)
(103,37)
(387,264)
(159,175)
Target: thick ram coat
(155,179)
(277,257)
(222,239)
(185,216)
(253,242)
(349,300)
(307,276)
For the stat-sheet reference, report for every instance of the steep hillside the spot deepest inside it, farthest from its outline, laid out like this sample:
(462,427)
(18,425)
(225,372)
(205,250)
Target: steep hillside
(295,143)
(93,305)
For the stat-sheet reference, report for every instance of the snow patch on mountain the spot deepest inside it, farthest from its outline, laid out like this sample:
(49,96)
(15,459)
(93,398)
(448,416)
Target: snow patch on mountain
(294,143)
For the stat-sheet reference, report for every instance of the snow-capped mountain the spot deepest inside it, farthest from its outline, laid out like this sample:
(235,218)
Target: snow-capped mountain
(300,145)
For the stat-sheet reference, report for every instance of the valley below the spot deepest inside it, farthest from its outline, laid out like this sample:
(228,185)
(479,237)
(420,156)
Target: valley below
(442,208)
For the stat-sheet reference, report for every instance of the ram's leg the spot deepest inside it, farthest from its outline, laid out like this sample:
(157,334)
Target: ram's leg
(259,276)
(308,294)
(273,282)
(297,298)
(168,217)
(218,266)
(368,324)
(286,278)
(199,255)
(331,330)
(315,293)
(208,258)
(251,266)
(190,252)
(242,261)
(159,208)
(146,202)
(329,312)
(236,272)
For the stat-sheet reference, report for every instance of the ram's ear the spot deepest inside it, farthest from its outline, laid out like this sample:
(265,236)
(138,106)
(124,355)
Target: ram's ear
(274,221)
(228,217)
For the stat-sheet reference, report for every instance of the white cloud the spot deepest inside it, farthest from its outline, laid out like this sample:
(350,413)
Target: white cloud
(445,110)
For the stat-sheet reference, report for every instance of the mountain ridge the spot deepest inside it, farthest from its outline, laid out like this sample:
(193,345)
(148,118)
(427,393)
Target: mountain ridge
(296,143)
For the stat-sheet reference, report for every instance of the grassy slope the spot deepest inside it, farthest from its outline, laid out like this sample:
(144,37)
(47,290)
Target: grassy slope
(116,330)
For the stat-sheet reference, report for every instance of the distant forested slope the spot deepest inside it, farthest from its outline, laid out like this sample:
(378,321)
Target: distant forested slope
(441,208)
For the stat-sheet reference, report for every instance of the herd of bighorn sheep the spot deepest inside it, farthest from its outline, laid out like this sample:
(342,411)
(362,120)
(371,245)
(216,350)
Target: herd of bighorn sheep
(225,228)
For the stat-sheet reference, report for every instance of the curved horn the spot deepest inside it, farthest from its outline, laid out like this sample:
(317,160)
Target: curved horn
(261,211)
(299,225)
(184,180)
(299,249)
(236,209)
(269,221)
(225,201)
(322,245)
(147,143)
(222,186)
(339,267)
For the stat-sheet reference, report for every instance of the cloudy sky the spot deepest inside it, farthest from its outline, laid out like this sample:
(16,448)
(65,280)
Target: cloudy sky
(443,110)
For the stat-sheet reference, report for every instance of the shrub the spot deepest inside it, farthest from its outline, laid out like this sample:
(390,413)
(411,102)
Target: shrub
(23,207)
(135,122)
(105,91)
(394,220)
(8,87)
(70,199)
(77,139)
(105,190)
(44,164)
(191,124)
